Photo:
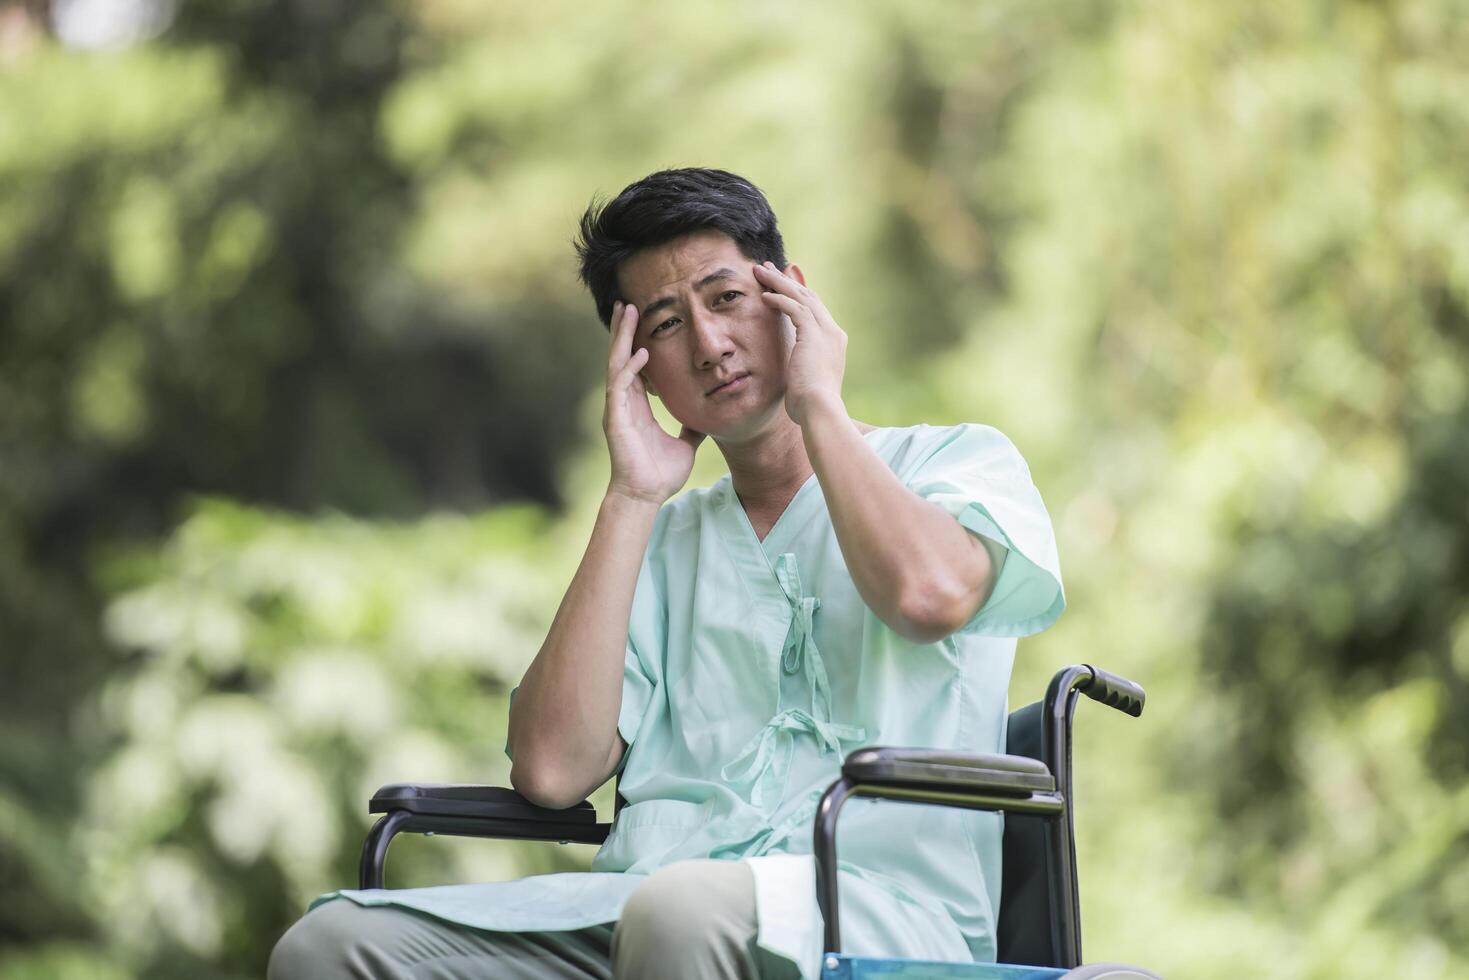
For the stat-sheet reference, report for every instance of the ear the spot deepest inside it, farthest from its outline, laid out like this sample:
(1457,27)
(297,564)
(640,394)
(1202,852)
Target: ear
(794,271)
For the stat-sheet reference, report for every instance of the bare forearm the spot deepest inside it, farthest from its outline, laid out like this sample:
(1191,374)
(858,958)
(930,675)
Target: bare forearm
(563,725)
(915,566)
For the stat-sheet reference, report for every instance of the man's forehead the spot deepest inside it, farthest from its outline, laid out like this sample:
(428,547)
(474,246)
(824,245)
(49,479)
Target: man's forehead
(679,263)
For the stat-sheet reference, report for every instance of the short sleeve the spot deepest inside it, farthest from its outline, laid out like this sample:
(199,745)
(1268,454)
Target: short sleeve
(978,476)
(647,630)
(637,695)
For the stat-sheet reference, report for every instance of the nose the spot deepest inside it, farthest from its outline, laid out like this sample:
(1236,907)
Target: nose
(711,340)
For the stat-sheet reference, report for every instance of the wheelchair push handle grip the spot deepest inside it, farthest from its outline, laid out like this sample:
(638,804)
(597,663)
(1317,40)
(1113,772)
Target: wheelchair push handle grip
(1114,691)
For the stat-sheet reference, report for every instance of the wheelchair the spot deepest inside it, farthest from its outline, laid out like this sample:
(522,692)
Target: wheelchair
(1039,928)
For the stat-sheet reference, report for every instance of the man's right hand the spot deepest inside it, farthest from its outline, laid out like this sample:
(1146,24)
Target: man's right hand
(648,464)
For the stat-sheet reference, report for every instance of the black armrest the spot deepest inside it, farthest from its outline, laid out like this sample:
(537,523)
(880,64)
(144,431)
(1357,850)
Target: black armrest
(466,810)
(1000,775)
(469,800)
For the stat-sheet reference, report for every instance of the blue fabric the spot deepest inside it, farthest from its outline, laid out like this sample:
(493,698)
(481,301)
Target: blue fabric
(862,968)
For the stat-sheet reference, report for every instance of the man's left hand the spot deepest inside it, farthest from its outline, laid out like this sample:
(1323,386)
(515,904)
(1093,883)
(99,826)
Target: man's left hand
(816,348)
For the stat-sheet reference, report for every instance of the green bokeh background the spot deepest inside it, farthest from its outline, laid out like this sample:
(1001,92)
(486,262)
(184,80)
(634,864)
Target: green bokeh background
(299,426)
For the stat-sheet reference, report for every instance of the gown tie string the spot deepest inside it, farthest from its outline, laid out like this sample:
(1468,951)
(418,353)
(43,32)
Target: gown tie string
(765,760)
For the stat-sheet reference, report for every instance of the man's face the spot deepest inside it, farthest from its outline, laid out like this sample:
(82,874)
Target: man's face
(702,320)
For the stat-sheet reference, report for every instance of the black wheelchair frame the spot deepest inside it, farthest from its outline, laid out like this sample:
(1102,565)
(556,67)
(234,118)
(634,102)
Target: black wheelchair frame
(1040,912)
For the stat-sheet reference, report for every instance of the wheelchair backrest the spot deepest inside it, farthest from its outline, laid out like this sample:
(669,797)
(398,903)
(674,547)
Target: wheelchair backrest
(1025,926)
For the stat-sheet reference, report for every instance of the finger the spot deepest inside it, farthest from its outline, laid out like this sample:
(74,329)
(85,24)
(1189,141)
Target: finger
(801,315)
(624,394)
(778,281)
(629,328)
(622,333)
(771,277)
(613,323)
(612,329)
(629,371)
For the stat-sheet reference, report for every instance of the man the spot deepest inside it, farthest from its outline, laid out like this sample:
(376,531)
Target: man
(844,585)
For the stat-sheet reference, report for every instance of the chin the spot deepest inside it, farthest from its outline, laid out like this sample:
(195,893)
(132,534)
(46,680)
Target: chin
(749,425)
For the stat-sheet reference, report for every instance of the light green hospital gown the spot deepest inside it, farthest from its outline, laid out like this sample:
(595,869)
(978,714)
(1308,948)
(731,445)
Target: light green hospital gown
(754,667)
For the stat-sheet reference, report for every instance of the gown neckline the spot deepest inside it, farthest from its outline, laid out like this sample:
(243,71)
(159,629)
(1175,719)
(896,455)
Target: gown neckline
(794,505)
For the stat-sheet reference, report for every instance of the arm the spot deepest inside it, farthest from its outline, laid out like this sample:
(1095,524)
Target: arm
(563,724)
(918,569)
(563,737)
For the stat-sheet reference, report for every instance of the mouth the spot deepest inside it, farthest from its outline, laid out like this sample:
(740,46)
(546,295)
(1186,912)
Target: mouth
(733,384)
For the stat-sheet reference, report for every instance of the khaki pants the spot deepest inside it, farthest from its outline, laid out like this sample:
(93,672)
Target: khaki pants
(693,919)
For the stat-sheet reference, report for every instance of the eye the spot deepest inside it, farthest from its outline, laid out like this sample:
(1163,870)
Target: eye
(665,324)
(727,294)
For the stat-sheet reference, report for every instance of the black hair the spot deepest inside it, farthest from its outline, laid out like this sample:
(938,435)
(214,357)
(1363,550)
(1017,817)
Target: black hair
(664,206)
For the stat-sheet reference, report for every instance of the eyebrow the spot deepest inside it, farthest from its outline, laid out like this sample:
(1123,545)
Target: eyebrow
(665,301)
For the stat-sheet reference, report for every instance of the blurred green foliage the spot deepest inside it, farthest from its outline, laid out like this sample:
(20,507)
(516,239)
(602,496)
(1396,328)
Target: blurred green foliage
(299,442)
